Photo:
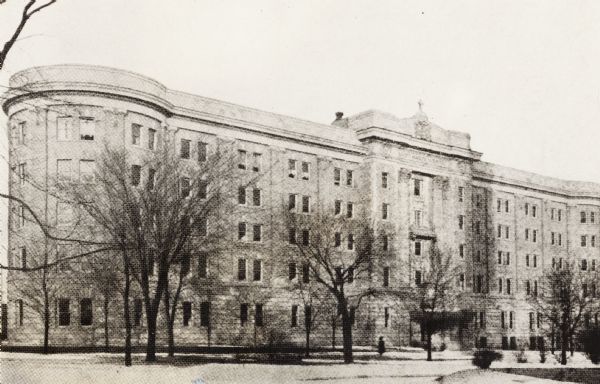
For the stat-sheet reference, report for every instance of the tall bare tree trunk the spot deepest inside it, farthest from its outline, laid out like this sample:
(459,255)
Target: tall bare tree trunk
(106,343)
(347,335)
(46,348)
(127,316)
(428,330)
(333,327)
(564,345)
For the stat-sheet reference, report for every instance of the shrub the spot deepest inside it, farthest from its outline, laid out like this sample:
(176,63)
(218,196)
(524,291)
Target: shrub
(590,338)
(415,344)
(483,358)
(443,347)
(521,356)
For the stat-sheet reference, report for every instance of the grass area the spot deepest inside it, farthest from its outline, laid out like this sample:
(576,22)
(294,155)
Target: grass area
(577,375)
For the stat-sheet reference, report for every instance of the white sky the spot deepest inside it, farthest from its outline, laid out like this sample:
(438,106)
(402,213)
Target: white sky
(522,77)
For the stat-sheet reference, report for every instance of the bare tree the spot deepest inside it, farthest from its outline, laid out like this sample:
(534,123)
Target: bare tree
(156,218)
(31,8)
(433,301)
(567,296)
(338,252)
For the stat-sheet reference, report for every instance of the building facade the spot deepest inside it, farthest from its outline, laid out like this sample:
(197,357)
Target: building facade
(425,184)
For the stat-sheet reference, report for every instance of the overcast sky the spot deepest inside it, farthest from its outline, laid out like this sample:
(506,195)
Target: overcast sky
(522,77)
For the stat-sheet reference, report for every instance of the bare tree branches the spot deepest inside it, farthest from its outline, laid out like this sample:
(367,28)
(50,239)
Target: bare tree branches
(29,10)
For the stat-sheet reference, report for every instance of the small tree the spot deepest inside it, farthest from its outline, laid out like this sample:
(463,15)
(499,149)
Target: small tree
(338,253)
(433,301)
(566,298)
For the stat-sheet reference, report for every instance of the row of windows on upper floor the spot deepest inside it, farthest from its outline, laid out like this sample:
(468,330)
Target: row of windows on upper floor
(555,213)
(532,235)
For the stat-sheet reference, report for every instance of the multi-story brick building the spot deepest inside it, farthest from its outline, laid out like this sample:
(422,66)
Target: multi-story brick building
(415,179)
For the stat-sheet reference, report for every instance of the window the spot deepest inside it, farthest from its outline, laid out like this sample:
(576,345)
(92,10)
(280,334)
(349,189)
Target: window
(202,189)
(418,277)
(499,257)
(534,239)
(482,319)
(305,273)
(528,287)
(506,231)
(503,324)
(337,176)
(511,318)
(258,315)
(350,241)
(151,138)
(384,180)
(204,314)
(386,276)
(560,215)
(479,284)
(552,238)
(21,129)
(583,216)
(241,231)
(22,173)
(305,170)
(184,150)
(477,227)
(187,313)
(151,179)
(500,285)
(506,206)
(87,128)
(535,288)
(417,187)
(526,233)
(384,211)
(292,168)
(137,312)
(461,222)
(559,239)
(292,202)
(461,281)
(461,193)
(256,162)
(534,210)
(350,275)
(202,265)
(337,207)
(417,248)
(499,231)
(584,240)
(552,213)
(526,209)
(531,320)
(64,313)
(136,172)
(534,261)
(86,171)
(593,241)
(308,320)
(202,151)
(305,237)
(584,265)
(305,204)
(294,316)
(349,210)
(508,286)
(349,178)
(256,200)
(527,260)
(292,270)
(478,256)
(241,269)
(241,159)
(593,264)
(418,218)
(337,239)
(386,315)
(592,217)
(385,243)
(292,235)
(185,187)
(135,134)
(256,232)
(257,270)
(63,170)
(64,128)
(243,314)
